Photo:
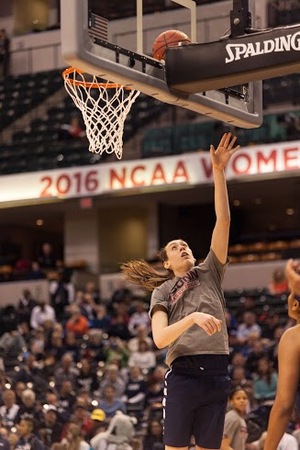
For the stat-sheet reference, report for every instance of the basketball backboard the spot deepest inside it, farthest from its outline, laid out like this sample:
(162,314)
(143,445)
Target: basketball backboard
(120,52)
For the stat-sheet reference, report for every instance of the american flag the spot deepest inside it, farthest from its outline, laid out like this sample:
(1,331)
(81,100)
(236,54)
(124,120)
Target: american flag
(98,27)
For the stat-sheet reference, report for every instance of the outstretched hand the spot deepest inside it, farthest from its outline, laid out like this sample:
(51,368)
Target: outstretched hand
(224,151)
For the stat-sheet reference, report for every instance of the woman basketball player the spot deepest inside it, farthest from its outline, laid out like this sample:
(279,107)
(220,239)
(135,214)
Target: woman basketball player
(187,312)
(288,388)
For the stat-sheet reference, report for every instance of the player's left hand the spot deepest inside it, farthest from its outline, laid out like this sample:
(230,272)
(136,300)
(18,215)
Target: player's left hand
(224,151)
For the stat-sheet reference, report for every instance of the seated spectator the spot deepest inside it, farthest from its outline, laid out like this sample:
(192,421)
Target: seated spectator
(155,391)
(135,393)
(112,377)
(265,382)
(110,403)
(248,327)
(28,438)
(26,332)
(269,325)
(55,347)
(28,370)
(35,272)
(138,318)
(66,371)
(118,326)
(12,345)
(101,319)
(28,405)
(38,341)
(153,439)
(239,378)
(47,258)
(71,345)
(88,307)
(40,313)
(141,335)
(87,377)
(19,388)
(75,438)
(51,398)
(77,323)
(67,397)
(50,428)
(99,423)
(247,304)
(278,283)
(116,352)
(144,357)
(122,294)
(257,351)
(94,347)
(12,438)
(154,395)
(80,416)
(90,288)
(9,409)
(4,442)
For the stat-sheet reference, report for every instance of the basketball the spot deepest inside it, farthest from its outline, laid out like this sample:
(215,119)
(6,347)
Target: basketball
(169,38)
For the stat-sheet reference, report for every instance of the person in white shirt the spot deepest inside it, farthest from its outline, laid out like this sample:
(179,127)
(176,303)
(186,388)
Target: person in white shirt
(287,442)
(144,357)
(139,318)
(41,313)
(9,410)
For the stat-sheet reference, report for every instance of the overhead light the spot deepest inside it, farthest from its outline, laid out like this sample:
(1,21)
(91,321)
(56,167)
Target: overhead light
(39,222)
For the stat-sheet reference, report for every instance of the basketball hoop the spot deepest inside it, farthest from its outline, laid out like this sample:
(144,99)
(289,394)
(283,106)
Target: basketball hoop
(104,107)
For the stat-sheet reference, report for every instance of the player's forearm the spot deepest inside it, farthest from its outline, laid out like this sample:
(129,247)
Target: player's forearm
(166,335)
(221,196)
(279,419)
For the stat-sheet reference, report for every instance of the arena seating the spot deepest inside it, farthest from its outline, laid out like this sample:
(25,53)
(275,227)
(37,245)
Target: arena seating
(19,95)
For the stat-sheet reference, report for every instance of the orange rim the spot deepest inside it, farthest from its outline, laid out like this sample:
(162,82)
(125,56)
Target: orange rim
(89,84)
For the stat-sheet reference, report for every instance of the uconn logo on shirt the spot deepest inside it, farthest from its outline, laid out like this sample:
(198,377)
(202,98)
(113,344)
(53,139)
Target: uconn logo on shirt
(189,281)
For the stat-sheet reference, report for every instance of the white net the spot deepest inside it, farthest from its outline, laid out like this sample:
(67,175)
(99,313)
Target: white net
(104,108)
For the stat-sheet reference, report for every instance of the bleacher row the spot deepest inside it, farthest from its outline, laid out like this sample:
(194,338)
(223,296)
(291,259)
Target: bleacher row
(45,149)
(264,302)
(264,251)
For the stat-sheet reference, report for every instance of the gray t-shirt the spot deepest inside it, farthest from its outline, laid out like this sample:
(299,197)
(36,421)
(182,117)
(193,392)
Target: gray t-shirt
(235,428)
(199,290)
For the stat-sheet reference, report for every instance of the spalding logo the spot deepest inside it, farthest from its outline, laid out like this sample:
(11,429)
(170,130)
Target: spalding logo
(286,43)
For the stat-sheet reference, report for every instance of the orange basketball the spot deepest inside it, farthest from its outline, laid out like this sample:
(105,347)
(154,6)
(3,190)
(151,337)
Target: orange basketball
(169,38)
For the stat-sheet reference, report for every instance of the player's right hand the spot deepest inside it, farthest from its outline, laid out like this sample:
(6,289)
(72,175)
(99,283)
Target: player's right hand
(207,322)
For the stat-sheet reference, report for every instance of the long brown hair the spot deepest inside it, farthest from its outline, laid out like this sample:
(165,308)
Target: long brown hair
(142,274)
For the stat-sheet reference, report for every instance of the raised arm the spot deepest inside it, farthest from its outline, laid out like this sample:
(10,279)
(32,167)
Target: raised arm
(220,158)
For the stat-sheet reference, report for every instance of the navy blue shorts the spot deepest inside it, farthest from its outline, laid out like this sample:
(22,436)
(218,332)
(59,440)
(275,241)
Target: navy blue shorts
(195,406)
